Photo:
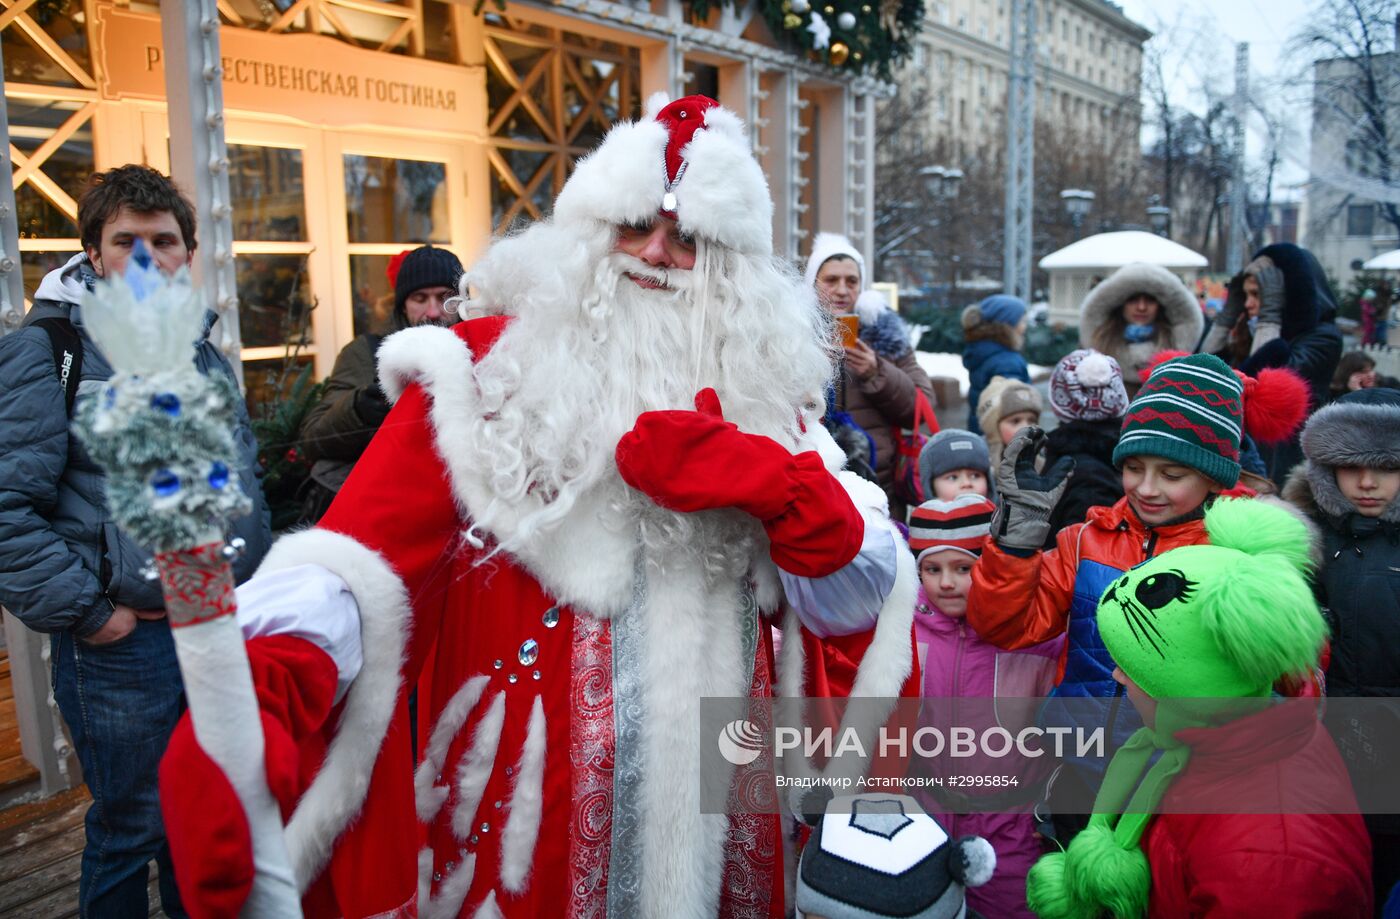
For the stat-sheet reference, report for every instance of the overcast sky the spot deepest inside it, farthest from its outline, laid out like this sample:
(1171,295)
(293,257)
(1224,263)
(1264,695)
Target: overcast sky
(1206,32)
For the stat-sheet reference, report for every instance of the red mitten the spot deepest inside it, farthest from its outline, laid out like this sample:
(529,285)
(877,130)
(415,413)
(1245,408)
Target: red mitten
(694,461)
(204,821)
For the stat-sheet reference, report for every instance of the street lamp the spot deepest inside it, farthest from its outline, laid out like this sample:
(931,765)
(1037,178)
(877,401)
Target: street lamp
(1078,203)
(1159,216)
(942,184)
(941,181)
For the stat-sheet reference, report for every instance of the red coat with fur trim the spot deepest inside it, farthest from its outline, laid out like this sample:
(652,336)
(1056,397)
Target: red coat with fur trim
(556,763)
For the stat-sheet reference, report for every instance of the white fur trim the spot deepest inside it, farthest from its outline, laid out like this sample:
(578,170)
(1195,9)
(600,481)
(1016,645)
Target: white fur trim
(488,908)
(869,498)
(422,351)
(1179,307)
(453,892)
(683,849)
(476,767)
(526,805)
(655,103)
(818,438)
(425,878)
(430,796)
(337,793)
(723,196)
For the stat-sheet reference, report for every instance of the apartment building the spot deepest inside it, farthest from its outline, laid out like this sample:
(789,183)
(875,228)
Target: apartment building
(1089,76)
(1343,223)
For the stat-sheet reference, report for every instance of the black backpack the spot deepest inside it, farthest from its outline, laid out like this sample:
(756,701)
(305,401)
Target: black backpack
(67,354)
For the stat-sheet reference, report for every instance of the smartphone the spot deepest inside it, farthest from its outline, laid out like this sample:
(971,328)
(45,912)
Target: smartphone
(850,330)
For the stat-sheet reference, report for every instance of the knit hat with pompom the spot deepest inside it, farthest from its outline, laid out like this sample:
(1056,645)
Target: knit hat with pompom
(1087,385)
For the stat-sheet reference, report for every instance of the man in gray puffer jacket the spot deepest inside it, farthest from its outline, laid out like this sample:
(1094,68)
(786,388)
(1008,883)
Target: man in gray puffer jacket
(65,567)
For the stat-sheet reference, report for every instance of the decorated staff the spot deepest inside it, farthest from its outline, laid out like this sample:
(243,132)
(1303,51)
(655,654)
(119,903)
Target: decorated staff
(161,431)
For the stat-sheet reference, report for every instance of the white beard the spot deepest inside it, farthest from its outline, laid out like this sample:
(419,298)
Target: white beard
(590,350)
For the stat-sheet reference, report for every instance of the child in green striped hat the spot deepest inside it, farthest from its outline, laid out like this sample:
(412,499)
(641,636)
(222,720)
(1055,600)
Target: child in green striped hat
(1180,445)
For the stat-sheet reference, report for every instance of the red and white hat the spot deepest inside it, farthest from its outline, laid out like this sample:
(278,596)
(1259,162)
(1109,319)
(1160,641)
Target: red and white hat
(689,160)
(962,524)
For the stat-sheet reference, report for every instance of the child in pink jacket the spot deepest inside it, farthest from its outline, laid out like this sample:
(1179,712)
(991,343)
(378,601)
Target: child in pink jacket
(947,536)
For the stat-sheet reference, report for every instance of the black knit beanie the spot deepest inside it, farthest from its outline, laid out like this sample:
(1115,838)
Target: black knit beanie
(427,266)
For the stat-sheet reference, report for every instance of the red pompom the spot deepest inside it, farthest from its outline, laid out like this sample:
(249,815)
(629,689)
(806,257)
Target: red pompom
(392,271)
(1275,405)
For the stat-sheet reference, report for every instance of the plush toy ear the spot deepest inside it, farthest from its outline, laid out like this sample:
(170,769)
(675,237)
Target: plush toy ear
(1262,617)
(1257,527)
(1264,620)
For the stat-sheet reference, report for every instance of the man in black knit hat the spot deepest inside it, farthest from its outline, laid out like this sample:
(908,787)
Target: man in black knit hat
(353,407)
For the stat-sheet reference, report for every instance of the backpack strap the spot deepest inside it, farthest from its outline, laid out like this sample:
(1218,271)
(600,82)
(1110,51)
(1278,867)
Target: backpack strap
(67,355)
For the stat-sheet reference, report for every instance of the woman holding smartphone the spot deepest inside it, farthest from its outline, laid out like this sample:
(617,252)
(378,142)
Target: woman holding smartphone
(878,375)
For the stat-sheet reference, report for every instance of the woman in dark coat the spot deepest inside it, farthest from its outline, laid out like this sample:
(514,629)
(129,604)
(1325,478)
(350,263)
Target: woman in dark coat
(1280,312)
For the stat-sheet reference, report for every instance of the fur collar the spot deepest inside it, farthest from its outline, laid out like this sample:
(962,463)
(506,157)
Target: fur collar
(888,335)
(998,333)
(1313,490)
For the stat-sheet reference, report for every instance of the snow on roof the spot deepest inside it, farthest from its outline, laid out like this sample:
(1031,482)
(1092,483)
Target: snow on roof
(1386,261)
(1114,250)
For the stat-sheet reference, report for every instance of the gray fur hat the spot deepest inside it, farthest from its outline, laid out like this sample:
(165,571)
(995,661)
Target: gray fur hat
(1359,429)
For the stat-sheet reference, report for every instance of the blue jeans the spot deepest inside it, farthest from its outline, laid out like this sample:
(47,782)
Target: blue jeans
(121,701)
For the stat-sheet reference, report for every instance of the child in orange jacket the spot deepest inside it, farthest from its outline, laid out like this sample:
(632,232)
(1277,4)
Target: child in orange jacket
(1179,447)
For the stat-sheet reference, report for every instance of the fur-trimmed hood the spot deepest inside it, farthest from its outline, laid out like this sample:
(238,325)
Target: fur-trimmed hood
(1179,307)
(1344,434)
(1179,313)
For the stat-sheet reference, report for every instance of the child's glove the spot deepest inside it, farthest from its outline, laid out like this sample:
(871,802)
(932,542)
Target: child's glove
(1022,518)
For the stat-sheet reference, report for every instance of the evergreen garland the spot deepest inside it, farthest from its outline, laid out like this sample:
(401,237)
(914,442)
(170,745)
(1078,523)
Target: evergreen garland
(867,36)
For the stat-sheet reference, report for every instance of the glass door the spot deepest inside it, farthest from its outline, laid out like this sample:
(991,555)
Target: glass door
(281,260)
(397,195)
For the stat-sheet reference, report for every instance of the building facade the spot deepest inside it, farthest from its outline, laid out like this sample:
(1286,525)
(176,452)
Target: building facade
(1343,222)
(1088,78)
(359,128)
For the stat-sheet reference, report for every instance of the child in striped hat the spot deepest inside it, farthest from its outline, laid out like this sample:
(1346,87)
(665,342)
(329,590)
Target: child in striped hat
(1180,446)
(947,537)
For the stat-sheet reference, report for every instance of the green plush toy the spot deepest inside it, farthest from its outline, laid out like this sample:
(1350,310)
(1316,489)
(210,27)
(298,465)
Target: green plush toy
(1205,631)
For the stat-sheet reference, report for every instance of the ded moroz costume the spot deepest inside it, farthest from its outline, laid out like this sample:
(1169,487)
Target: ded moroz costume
(561,542)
